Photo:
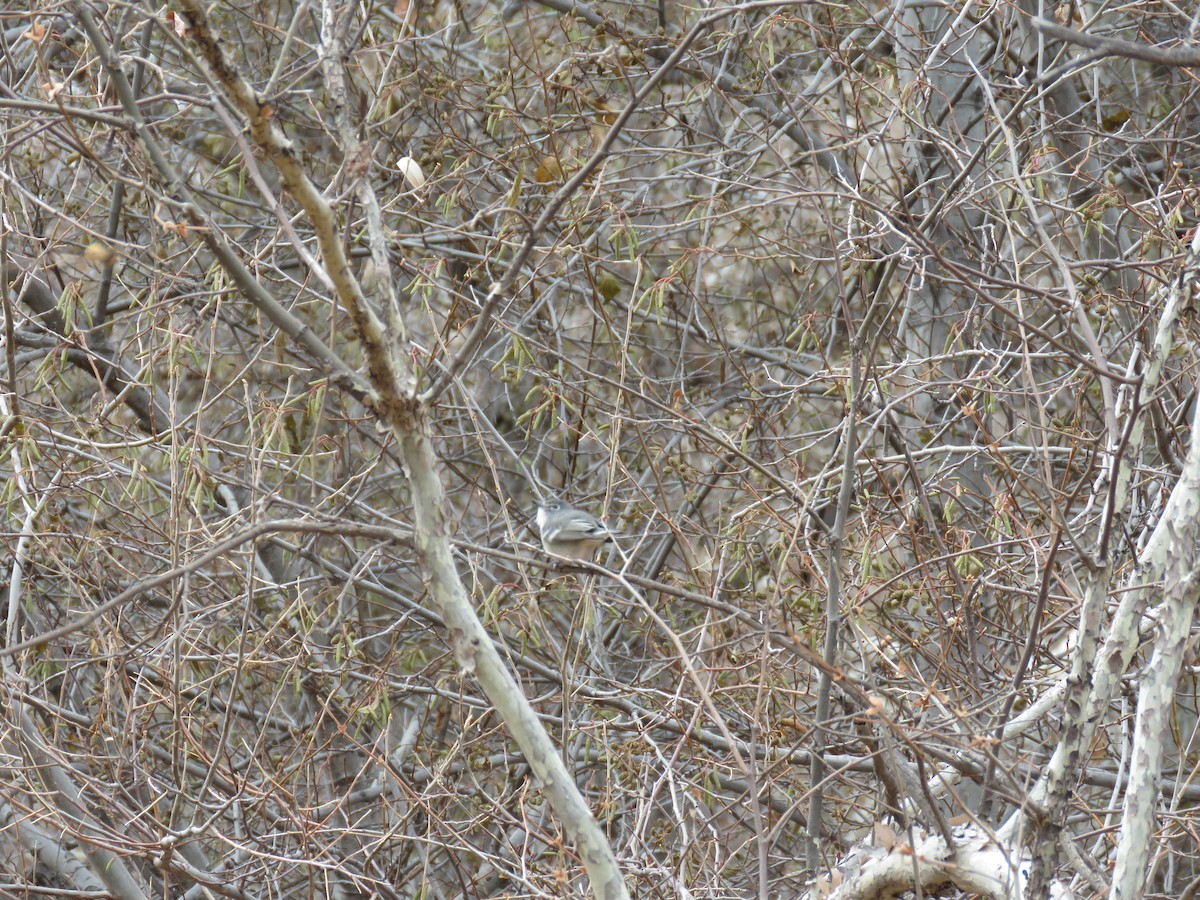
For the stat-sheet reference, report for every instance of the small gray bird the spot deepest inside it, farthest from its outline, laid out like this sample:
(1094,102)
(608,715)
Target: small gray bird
(570,532)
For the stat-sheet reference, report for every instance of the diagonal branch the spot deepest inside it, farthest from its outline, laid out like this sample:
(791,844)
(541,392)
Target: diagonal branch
(1182,57)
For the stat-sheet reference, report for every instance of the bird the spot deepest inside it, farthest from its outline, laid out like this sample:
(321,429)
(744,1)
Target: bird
(570,532)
